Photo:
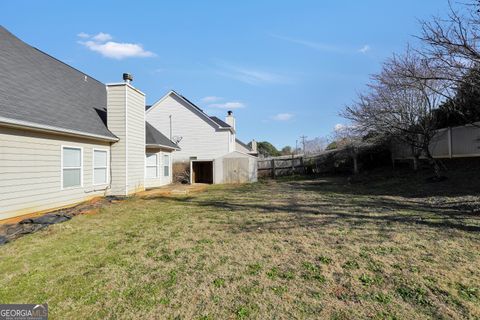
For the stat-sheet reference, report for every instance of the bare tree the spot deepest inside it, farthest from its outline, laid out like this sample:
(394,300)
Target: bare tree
(315,145)
(452,49)
(401,104)
(452,42)
(350,141)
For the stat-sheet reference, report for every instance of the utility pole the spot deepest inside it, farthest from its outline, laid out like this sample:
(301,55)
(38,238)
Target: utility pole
(303,142)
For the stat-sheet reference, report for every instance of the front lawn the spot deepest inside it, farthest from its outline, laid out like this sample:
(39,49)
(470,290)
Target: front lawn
(395,248)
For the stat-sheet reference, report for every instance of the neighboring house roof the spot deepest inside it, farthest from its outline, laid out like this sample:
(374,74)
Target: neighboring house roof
(42,92)
(220,122)
(246,146)
(153,137)
(216,122)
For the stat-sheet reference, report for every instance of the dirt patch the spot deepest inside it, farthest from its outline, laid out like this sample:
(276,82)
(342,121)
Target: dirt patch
(173,190)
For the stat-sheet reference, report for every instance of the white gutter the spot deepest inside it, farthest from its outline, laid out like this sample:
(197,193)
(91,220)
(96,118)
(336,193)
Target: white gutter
(161,146)
(52,129)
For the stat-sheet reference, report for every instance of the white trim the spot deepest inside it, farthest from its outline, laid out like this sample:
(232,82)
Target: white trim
(107,177)
(144,137)
(243,153)
(161,146)
(52,129)
(62,168)
(118,84)
(157,165)
(126,138)
(202,160)
(163,164)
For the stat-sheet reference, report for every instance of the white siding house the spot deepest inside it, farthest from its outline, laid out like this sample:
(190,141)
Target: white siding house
(204,140)
(201,137)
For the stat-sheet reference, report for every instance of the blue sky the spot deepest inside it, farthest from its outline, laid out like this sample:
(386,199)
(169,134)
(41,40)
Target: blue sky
(286,68)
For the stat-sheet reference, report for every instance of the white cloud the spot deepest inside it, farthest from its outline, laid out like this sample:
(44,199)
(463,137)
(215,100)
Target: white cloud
(282,116)
(364,49)
(102,37)
(117,50)
(210,99)
(250,75)
(311,44)
(228,105)
(324,47)
(83,35)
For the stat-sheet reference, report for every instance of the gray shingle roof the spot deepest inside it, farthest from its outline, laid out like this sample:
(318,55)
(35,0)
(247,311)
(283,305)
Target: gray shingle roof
(155,137)
(37,88)
(221,123)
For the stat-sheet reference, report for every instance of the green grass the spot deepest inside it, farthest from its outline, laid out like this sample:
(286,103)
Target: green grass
(386,247)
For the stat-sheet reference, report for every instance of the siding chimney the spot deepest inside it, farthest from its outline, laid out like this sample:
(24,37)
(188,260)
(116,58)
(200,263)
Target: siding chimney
(126,119)
(254,146)
(230,119)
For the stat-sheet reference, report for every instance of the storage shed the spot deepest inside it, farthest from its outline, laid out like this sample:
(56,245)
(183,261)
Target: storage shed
(234,167)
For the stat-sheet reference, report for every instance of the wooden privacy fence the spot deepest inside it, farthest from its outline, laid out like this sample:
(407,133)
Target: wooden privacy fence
(323,162)
(281,166)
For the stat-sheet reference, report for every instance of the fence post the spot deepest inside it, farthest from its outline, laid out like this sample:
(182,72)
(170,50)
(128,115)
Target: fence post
(450,142)
(273,169)
(293,164)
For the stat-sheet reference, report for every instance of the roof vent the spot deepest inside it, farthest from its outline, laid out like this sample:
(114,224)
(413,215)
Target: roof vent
(127,77)
(229,112)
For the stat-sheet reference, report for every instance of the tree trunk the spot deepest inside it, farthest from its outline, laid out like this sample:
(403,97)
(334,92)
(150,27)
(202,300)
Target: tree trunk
(433,163)
(355,164)
(415,162)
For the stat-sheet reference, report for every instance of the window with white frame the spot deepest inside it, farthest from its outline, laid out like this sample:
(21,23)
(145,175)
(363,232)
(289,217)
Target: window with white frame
(100,166)
(166,165)
(151,163)
(71,167)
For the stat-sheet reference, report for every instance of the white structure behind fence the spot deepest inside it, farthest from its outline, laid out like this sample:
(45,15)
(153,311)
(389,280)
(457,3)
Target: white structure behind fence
(454,142)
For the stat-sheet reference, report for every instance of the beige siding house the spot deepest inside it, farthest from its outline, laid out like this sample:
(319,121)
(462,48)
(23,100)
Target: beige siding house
(31,171)
(204,141)
(66,137)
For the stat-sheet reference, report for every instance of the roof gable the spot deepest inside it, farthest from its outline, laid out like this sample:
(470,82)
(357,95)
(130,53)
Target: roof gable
(213,121)
(243,144)
(41,90)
